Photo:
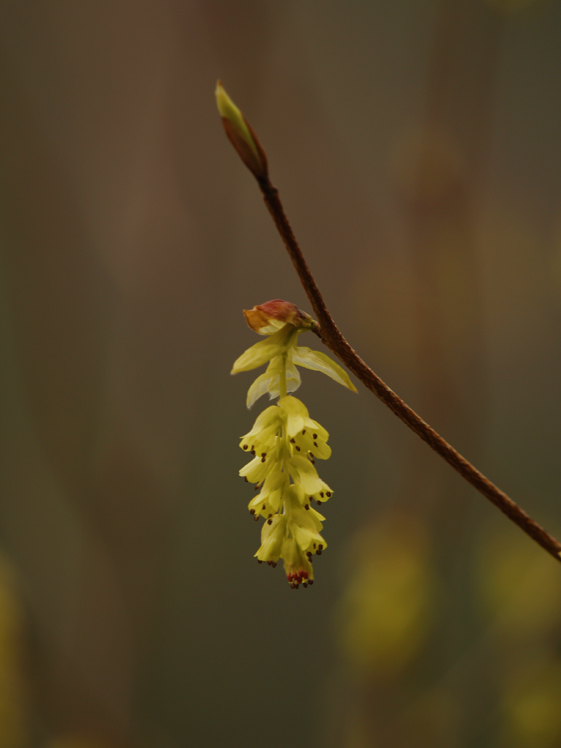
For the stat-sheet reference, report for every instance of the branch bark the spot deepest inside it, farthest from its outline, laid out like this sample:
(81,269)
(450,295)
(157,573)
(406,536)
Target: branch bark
(330,334)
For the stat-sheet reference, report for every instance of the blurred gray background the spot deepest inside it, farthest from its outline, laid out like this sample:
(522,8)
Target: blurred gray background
(416,148)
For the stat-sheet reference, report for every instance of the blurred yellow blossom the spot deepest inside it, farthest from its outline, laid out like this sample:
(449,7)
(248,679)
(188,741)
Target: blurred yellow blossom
(510,573)
(385,613)
(532,705)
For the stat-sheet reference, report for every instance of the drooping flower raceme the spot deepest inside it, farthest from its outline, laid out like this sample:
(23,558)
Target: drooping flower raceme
(285,442)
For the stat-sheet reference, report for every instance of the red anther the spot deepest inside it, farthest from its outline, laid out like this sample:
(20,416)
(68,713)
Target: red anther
(310,581)
(305,584)
(252,511)
(269,563)
(274,564)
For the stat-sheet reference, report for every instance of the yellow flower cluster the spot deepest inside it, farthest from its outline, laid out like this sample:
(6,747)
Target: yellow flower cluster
(285,442)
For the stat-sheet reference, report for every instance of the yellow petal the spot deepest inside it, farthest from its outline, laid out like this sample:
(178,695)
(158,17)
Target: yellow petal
(317,361)
(256,356)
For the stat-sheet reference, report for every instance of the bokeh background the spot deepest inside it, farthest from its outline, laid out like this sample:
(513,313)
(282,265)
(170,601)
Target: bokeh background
(416,147)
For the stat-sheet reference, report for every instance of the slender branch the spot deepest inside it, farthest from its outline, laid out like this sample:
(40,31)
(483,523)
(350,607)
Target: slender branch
(336,342)
(245,141)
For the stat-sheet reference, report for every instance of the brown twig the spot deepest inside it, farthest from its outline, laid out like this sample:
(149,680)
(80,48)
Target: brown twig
(336,342)
(330,334)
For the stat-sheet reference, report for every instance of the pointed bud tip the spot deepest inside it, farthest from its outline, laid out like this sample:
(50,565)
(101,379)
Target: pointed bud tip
(240,134)
(225,105)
